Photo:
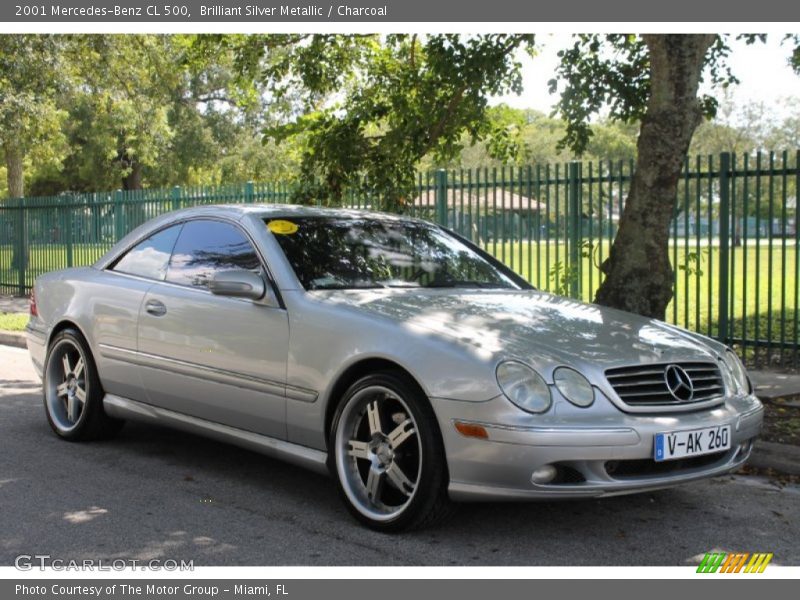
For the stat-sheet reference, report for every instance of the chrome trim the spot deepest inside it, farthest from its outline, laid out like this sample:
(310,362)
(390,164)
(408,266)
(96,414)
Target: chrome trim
(663,407)
(225,377)
(679,380)
(309,458)
(558,436)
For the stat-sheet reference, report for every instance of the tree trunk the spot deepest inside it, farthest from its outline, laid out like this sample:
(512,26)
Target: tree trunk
(14,165)
(638,271)
(133,180)
(16,189)
(134,210)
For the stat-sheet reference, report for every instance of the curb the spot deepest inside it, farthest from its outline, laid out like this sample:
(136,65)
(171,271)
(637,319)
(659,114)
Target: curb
(12,338)
(771,386)
(783,458)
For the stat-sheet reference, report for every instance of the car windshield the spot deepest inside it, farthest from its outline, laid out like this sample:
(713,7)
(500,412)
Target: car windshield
(357,253)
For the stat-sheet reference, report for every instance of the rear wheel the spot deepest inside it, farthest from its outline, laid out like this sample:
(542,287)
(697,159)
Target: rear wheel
(388,454)
(73,396)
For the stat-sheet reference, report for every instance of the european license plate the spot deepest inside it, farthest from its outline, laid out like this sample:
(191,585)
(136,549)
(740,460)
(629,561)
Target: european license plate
(693,442)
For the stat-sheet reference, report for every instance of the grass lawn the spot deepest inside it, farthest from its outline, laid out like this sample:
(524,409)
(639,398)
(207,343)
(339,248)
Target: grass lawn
(13,321)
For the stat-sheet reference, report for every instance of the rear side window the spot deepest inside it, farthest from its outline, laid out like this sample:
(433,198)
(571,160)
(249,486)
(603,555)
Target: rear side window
(208,247)
(150,257)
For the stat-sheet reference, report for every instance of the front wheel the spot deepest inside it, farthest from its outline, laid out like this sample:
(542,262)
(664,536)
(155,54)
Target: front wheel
(388,454)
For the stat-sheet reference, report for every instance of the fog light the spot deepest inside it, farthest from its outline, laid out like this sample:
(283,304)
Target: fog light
(543,474)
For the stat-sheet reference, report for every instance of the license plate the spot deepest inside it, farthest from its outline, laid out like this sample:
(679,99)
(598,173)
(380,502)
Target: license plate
(693,442)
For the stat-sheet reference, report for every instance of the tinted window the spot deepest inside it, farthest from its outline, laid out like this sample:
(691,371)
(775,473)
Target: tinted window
(206,247)
(150,257)
(339,253)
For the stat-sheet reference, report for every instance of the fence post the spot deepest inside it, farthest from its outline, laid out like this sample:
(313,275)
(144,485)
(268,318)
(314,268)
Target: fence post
(723,302)
(249,192)
(67,224)
(176,197)
(119,216)
(574,235)
(22,248)
(440,195)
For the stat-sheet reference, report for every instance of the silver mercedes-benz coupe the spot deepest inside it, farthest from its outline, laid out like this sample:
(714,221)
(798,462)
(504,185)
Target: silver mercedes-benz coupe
(388,351)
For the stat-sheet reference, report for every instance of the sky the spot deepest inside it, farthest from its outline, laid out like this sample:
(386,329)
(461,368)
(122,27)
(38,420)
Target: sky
(761,68)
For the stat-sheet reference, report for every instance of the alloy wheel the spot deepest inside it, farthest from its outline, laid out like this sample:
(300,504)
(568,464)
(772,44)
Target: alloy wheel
(67,385)
(378,453)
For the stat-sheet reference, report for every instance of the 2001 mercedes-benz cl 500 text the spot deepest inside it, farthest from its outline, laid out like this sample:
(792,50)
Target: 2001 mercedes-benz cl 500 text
(389,351)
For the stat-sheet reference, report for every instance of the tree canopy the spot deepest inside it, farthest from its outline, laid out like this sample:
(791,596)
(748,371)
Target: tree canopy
(376,108)
(31,119)
(207,109)
(95,112)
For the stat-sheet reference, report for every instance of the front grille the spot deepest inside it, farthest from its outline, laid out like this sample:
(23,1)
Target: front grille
(633,469)
(647,385)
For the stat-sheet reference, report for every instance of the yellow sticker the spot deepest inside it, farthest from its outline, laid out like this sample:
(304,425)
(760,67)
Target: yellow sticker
(282,227)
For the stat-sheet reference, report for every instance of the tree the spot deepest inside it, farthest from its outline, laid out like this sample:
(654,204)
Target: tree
(638,270)
(794,60)
(653,80)
(30,121)
(121,110)
(156,111)
(375,107)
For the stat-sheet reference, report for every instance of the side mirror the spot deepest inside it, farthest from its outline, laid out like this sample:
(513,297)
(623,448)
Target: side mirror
(238,284)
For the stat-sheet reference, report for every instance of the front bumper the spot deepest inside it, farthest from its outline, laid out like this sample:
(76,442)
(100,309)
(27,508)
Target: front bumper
(599,451)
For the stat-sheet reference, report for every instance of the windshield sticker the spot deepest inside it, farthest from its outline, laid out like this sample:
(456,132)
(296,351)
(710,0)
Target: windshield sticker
(282,227)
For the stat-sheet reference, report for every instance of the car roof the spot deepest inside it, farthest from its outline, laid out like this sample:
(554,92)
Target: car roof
(282,210)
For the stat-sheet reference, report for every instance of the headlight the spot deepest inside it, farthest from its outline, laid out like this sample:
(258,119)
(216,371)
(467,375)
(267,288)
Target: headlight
(574,386)
(739,383)
(523,386)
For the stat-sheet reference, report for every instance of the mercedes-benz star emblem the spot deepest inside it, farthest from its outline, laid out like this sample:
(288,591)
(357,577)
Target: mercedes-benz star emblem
(679,383)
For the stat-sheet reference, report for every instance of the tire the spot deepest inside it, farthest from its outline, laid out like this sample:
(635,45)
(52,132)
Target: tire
(386,452)
(73,395)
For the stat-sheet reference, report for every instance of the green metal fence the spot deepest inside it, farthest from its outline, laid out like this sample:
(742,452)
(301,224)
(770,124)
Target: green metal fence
(734,238)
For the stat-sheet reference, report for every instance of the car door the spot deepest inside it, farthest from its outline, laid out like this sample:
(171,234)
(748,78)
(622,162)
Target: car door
(217,358)
(115,310)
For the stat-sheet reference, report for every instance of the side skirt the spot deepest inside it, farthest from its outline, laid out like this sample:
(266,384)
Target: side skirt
(309,458)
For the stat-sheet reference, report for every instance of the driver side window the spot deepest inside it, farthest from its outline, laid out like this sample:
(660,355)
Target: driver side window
(206,247)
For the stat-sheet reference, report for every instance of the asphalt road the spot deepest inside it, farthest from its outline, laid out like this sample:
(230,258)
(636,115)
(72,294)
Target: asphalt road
(158,494)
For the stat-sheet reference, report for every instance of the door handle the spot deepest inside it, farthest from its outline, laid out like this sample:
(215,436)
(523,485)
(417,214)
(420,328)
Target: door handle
(155,308)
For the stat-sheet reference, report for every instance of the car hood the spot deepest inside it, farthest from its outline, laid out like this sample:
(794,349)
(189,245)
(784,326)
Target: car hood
(530,325)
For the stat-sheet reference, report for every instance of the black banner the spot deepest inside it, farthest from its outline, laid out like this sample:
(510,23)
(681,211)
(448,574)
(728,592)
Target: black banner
(392,589)
(377,11)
